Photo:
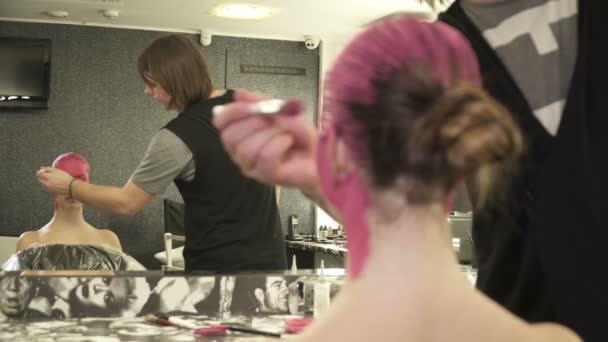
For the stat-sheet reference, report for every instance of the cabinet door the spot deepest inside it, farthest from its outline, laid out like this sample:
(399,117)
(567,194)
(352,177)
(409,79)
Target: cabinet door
(280,75)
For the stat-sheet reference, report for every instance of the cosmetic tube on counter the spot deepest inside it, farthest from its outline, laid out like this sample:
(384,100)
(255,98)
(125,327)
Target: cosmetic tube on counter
(321,290)
(294,267)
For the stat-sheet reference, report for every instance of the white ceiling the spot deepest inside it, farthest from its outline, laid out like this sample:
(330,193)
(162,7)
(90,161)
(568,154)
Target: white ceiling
(296,18)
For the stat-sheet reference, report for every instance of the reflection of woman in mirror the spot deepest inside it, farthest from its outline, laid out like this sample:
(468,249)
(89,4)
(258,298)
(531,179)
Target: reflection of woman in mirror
(409,123)
(68,225)
(231,221)
(67,241)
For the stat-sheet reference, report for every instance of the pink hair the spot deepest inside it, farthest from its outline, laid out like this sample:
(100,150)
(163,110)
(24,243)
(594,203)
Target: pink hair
(383,49)
(371,58)
(74,164)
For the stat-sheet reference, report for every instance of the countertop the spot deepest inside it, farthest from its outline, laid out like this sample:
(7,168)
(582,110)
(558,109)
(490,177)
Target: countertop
(130,329)
(329,248)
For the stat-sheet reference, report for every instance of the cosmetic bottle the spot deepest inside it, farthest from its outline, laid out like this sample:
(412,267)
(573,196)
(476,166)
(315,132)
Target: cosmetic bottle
(321,296)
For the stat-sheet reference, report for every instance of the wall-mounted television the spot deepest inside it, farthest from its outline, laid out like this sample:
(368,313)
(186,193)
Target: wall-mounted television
(25,72)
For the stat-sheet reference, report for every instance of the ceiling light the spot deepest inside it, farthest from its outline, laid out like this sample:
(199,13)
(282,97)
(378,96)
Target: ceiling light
(12,98)
(243,11)
(25,97)
(57,14)
(1,98)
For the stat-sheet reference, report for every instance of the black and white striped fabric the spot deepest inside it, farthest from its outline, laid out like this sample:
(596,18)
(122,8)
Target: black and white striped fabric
(536,40)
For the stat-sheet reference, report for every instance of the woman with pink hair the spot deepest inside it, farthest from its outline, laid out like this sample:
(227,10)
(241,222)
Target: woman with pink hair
(406,122)
(67,241)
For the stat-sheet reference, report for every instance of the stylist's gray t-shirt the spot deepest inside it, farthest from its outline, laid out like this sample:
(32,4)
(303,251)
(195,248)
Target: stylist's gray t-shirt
(167,158)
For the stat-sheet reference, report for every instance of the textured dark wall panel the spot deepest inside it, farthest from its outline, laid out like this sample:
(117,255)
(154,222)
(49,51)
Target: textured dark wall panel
(97,108)
(280,86)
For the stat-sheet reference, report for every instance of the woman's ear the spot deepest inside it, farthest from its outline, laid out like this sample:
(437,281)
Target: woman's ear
(343,162)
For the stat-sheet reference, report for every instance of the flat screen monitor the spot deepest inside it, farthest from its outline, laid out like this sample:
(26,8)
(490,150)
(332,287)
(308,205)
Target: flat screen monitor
(25,68)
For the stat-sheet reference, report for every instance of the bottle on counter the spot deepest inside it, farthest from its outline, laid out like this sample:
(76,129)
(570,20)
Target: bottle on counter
(323,231)
(322,292)
(292,229)
(339,231)
(335,232)
(294,267)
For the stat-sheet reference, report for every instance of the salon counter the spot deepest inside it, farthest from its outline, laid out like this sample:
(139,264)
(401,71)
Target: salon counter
(131,329)
(309,254)
(55,306)
(328,248)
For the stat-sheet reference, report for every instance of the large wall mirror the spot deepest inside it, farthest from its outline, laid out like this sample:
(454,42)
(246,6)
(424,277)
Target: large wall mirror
(97,106)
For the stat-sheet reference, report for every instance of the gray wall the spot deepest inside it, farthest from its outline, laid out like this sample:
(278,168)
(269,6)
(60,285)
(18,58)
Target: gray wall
(98,109)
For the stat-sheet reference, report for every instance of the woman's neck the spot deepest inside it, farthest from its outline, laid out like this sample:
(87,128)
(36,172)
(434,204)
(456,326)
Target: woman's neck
(414,242)
(67,218)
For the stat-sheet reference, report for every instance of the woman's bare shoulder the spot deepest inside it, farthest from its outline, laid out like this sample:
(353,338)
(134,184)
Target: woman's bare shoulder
(110,238)
(26,239)
(555,332)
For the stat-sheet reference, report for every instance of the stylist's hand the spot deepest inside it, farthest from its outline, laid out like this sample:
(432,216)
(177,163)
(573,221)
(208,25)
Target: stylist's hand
(278,149)
(54,180)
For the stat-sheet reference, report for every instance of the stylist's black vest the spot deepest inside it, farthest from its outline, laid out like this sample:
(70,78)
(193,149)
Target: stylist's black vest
(231,222)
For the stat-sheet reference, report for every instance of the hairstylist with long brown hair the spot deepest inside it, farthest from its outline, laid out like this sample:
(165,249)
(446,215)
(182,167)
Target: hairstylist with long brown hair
(231,222)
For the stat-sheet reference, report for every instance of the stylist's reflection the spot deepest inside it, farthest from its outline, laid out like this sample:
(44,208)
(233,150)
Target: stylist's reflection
(231,222)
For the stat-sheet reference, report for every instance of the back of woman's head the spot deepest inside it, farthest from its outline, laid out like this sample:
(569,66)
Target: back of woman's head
(405,97)
(74,164)
(176,64)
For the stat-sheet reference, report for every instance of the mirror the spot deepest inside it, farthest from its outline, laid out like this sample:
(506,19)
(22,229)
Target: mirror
(97,107)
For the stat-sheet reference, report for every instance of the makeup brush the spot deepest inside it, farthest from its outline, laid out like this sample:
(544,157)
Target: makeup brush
(271,107)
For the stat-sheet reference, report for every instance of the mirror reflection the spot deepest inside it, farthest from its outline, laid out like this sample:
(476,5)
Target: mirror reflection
(212,141)
(94,96)
(114,116)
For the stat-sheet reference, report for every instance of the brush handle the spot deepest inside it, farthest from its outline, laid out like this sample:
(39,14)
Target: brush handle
(182,323)
(253,331)
(160,321)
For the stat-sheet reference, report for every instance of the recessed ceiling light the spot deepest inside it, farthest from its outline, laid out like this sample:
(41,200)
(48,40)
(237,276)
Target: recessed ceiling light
(57,14)
(243,11)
